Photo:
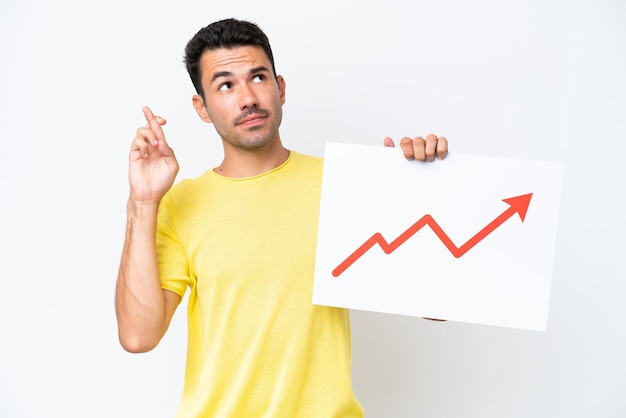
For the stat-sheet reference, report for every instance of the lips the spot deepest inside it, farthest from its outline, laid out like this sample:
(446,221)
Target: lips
(251,115)
(251,119)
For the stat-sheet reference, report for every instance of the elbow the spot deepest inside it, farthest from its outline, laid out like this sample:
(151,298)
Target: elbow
(136,344)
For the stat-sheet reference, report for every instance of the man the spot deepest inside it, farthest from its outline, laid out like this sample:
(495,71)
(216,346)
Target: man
(242,238)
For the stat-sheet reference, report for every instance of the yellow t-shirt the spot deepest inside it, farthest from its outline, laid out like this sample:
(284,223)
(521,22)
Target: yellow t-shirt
(257,346)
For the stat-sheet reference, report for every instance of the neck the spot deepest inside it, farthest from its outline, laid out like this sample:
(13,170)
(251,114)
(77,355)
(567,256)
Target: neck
(243,163)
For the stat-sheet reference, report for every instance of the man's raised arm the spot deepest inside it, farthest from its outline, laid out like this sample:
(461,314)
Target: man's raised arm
(144,310)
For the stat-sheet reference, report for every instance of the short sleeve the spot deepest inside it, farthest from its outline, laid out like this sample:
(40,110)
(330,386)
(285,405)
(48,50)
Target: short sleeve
(172,260)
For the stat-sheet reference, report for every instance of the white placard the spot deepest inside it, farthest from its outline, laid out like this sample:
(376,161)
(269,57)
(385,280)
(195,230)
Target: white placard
(470,238)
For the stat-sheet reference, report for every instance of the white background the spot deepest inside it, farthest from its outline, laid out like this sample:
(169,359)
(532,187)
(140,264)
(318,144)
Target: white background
(523,79)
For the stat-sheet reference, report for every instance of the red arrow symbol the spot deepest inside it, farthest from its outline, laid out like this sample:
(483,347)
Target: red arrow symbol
(517,204)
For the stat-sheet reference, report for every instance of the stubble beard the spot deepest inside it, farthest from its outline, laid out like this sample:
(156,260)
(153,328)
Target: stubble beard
(256,137)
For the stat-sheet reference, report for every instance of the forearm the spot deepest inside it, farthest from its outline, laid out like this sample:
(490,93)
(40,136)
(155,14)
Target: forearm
(139,301)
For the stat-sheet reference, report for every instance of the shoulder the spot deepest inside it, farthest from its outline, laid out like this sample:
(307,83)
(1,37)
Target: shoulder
(305,173)
(307,162)
(188,188)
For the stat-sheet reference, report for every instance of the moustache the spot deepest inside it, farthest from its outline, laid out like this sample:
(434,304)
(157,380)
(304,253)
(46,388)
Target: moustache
(251,111)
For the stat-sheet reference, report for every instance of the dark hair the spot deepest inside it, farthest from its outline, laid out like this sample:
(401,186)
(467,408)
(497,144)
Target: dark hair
(227,33)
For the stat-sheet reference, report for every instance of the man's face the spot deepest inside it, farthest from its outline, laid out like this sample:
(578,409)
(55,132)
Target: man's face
(242,98)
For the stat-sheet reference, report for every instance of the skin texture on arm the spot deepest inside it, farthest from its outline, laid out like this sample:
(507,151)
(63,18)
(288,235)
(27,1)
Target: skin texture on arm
(144,310)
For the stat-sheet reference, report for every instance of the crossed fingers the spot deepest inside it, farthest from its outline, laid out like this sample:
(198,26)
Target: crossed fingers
(148,137)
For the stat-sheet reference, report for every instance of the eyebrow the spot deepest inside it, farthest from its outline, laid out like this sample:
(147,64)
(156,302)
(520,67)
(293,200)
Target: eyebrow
(255,70)
(259,69)
(221,74)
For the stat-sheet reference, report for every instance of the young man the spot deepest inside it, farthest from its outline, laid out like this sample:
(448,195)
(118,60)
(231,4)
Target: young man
(242,238)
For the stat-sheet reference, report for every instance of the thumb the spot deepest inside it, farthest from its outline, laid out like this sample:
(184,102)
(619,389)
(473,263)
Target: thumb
(388,142)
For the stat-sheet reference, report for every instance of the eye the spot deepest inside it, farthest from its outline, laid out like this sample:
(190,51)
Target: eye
(225,86)
(259,78)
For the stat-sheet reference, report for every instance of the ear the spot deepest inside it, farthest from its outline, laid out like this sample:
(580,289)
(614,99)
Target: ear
(198,104)
(281,87)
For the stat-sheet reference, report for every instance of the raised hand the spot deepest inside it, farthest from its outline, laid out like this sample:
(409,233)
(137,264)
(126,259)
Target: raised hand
(152,163)
(422,149)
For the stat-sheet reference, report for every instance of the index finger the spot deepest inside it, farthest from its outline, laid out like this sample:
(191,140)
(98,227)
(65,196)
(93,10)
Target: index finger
(153,123)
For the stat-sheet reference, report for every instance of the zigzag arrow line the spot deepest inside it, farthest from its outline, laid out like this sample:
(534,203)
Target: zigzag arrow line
(517,204)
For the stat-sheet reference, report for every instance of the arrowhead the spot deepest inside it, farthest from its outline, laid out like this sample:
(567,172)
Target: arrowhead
(519,204)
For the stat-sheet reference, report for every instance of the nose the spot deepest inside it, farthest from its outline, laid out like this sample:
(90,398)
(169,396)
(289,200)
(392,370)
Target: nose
(248,97)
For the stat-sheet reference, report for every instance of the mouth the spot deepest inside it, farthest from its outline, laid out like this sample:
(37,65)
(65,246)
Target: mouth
(250,120)
(251,117)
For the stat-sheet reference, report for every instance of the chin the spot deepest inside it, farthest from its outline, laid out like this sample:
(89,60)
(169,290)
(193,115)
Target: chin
(254,143)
